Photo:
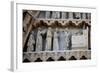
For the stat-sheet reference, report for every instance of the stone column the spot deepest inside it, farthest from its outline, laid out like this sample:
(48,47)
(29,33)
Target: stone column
(66,39)
(84,16)
(70,15)
(89,15)
(31,43)
(63,15)
(69,40)
(39,41)
(55,41)
(55,15)
(47,15)
(85,34)
(48,40)
(67,15)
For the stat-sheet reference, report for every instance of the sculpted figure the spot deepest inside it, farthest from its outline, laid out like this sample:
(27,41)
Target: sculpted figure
(31,42)
(48,40)
(55,40)
(39,40)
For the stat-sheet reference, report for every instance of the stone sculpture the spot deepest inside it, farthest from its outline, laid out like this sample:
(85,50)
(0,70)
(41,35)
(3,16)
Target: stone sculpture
(66,39)
(43,34)
(31,42)
(39,40)
(55,40)
(48,40)
(61,40)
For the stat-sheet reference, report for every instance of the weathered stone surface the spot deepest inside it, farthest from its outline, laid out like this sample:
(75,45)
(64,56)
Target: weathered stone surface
(63,15)
(61,56)
(50,55)
(31,42)
(39,41)
(55,41)
(58,39)
(48,40)
(37,56)
(73,55)
(26,22)
(47,15)
(77,15)
(55,15)
(61,40)
(70,15)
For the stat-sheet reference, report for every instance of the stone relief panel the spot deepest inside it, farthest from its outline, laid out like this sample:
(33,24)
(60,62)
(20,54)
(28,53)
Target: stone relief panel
(56,36)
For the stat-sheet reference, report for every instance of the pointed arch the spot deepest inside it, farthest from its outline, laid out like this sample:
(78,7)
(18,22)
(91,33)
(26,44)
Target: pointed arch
(26,60)
(72,58)
(38,60)
(61,58)
(50,59)
(83,58)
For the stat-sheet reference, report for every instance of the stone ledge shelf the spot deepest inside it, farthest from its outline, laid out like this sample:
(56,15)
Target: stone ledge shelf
(57,56)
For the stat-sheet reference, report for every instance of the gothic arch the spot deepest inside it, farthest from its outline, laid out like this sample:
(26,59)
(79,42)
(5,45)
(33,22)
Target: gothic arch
(61,58)
(50,59)
(83,58)
(50,56)
(72,58)
(26,60)
(38,60)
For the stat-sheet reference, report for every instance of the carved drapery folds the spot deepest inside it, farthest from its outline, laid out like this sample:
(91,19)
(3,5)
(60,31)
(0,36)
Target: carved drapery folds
(31,42)
(49,37)
(60,34)
(48,40)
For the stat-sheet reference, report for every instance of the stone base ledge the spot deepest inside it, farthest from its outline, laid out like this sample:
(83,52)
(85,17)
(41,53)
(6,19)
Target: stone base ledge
(57,56)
